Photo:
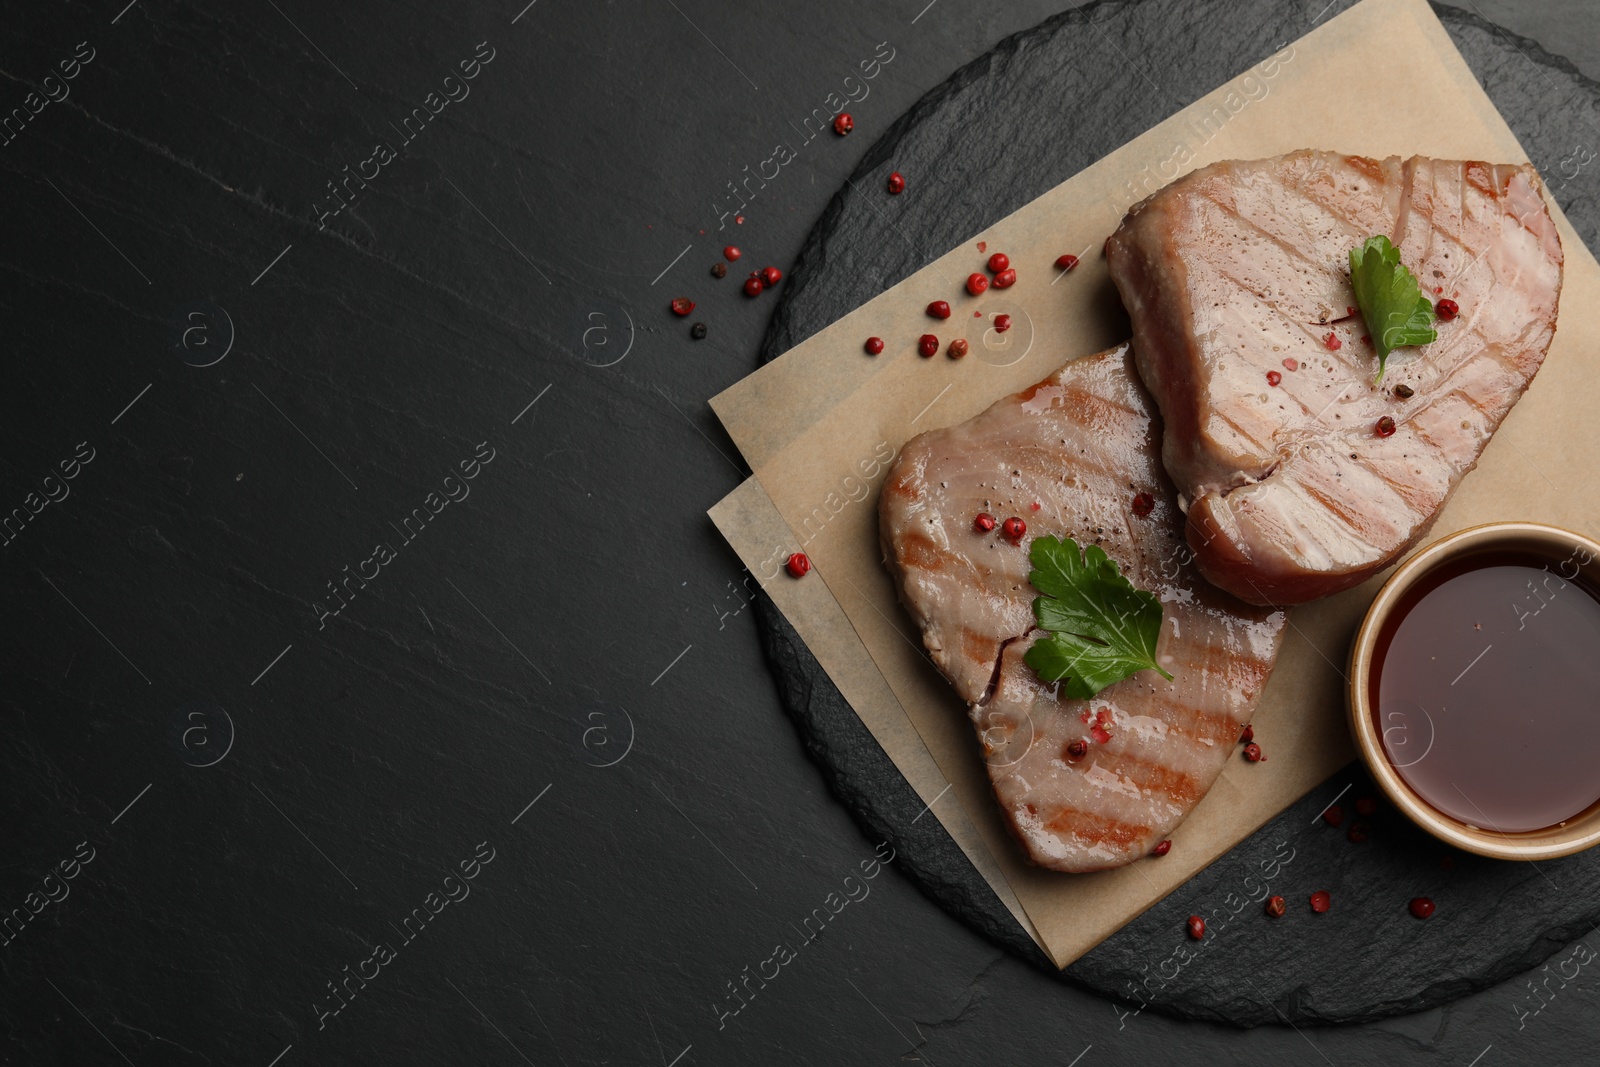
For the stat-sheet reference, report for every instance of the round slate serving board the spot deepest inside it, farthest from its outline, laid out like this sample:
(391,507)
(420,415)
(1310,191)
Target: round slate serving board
(1041,106)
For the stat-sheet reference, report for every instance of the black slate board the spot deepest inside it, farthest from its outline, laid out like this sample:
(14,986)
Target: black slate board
(1041,106)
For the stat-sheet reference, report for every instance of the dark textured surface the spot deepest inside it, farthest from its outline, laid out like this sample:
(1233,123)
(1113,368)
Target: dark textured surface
(1368,959)
(576,623)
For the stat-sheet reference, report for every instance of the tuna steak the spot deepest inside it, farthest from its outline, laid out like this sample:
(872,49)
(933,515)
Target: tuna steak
(1071,456)
(1246,330)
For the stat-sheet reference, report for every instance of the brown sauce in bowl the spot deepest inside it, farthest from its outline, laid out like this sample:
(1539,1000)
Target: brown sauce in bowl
(1485,689)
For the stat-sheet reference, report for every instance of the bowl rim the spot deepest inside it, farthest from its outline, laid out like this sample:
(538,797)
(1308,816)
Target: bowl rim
(1582,830)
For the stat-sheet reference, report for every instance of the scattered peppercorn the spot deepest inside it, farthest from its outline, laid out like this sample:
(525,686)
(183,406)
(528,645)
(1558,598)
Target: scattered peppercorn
(1421,907)
(1273,377)
(1276,907)
(1197,927)
(1006,278)
(1291,364)
(681,306)
(1367,806)
(798,565)
(1014,528)
(874,346)
(1404,391)
(958,348)
(939,309)
(771,276)
(1066,262)
(1447,309)
(731,253)
(1247,735)
(753,285)
(698,331)
(1334,816)
(843,124)
(976,283)
(1252,752)
(719,269)
(1162,849)
(928,345)
(1143,504)
(1002,323)
(1333,343)
(1321,901)
(897,183)
(1077,749)
(1358,833)
(1385,427)
(999,262)
(985,522)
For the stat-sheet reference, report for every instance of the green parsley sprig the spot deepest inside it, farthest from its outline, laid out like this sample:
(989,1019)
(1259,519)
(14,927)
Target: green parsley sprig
(1392,304)
(1102,629)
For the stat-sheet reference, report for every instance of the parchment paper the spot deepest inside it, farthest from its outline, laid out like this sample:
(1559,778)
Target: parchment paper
(818,424)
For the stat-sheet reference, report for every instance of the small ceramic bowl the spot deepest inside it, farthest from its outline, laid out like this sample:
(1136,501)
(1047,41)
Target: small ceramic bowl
(1529,538)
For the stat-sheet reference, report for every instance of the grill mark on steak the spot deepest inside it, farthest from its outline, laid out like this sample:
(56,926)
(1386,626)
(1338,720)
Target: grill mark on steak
(1408,173)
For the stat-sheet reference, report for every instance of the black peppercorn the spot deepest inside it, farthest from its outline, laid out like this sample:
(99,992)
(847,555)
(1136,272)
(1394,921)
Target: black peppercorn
(719,270)
(698,331)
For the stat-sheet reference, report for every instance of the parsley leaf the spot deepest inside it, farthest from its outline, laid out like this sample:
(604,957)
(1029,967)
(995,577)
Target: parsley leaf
(1102,629)
(1392,303)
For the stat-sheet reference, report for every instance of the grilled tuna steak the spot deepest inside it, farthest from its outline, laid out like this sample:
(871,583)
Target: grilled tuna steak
(1081,446)
(1247,333)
